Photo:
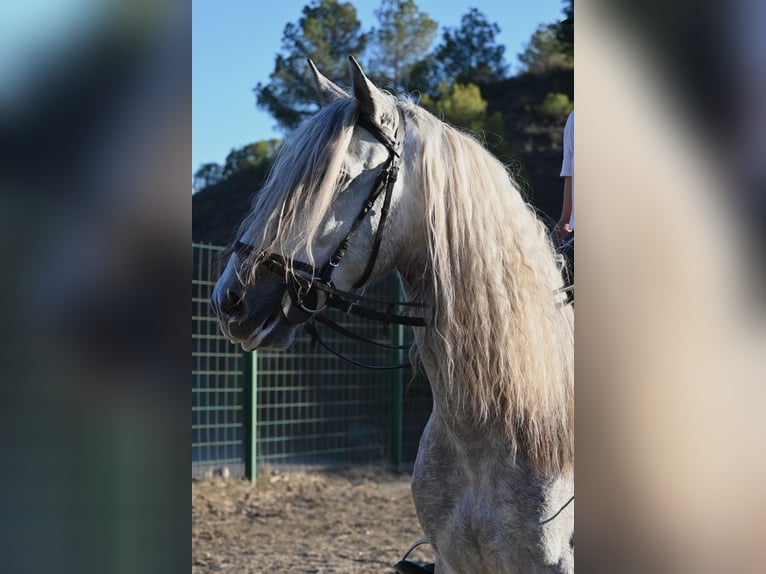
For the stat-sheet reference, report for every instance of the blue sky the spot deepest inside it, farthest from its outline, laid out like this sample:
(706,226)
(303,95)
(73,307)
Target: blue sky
(234,43)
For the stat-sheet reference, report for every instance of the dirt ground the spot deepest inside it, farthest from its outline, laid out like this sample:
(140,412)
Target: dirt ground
(349,520)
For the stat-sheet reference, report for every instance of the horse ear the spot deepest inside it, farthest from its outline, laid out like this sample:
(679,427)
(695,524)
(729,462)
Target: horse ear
(327,90)
(372,102)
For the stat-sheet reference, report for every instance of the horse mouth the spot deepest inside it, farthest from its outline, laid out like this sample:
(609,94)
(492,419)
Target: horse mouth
(273,333)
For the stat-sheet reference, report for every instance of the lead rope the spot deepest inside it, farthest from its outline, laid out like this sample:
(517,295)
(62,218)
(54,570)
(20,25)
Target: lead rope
(568,502)
(424,540)
(420,542)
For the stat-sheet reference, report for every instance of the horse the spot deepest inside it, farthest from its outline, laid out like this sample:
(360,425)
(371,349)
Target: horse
(373,183)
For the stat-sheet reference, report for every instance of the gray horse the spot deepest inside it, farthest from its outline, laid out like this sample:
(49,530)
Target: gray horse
(493,481)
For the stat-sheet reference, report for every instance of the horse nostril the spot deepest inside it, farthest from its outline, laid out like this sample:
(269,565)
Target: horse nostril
(232,303)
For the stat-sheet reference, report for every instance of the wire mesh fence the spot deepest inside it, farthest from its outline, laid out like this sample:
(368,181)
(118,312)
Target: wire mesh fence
(219,408)
(303,407)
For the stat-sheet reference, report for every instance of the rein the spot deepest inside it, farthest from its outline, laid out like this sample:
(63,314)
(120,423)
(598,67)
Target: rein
(308,296)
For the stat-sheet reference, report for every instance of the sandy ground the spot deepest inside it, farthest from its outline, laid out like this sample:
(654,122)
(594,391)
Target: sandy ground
(349,520)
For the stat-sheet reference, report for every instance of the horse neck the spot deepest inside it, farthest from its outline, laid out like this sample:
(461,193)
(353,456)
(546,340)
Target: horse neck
(454,421)
(446,400)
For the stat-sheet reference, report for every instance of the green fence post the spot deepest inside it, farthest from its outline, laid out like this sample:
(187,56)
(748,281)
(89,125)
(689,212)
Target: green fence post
(250,379)
(397,414)
(398,407)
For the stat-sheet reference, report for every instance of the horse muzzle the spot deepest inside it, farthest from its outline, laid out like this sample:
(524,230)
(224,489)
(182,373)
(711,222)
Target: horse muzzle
(252,316)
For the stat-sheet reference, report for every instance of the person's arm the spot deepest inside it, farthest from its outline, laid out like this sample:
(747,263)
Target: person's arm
(562,226)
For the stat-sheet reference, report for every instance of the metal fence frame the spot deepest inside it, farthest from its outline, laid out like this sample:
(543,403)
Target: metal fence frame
(301,408)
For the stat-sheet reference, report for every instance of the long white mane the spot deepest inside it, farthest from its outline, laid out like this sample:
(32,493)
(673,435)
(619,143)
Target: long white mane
(506,340)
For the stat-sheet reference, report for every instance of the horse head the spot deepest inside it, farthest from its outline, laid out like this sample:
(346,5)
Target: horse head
(318,220)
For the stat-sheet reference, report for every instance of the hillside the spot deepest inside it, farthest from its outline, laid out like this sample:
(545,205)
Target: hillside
(218,209)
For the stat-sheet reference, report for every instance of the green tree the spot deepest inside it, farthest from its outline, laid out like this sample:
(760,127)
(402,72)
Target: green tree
(425,77)
(544,51)
(404,35)
(255,157)
(208,174)
(557,106)
(470,53)
(462,105)
(565,29)
(328,33)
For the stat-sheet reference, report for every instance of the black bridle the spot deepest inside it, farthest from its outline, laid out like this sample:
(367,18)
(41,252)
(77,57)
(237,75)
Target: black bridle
(312,291)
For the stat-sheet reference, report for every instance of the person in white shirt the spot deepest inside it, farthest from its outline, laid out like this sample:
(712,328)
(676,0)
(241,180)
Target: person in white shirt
(565,224)
(563,232)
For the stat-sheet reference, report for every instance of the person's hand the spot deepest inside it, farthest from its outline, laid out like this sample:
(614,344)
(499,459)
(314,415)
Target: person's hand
(560,231)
